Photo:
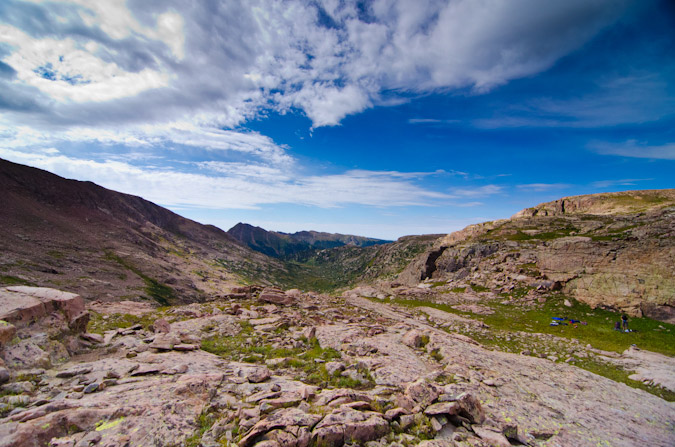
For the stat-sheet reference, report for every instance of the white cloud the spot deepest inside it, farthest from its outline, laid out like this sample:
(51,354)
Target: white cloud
(220,63)
(540,187)
(621,100)
(242,187)
(482,191)
(621,182)
(635,149)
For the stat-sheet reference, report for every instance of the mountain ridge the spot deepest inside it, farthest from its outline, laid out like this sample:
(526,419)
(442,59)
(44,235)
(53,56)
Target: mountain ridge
(283,245)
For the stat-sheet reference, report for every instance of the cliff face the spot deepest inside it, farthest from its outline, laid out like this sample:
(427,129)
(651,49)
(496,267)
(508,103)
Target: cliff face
(609,250)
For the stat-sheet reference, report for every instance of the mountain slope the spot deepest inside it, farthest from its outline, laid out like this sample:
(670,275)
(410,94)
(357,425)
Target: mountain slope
(107,245)
(285,245)
(614,250)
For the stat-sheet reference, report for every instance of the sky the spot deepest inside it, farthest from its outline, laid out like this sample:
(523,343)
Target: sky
(378,118)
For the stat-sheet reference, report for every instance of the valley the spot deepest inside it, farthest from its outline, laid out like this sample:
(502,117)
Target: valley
(126,324)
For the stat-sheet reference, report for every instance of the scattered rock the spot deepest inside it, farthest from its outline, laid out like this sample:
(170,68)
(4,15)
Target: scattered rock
(413,339)
(257,375)
(95,338)
(161,326)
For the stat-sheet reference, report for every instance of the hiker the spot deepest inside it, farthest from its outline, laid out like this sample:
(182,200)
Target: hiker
(617,326)
(624,319)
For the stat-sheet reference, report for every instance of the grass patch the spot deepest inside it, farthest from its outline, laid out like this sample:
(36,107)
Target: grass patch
(530,268)
(458,289)
(204,422)
(621,375)
(161,293)
(99,325)
(508,320)
(478,289)
(14,281)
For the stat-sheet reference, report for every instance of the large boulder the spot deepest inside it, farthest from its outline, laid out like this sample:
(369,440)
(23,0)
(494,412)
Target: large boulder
(346,425)
(21,305)
(275,296)
(291,421)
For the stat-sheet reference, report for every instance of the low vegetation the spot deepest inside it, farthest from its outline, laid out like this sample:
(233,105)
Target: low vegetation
(509,325)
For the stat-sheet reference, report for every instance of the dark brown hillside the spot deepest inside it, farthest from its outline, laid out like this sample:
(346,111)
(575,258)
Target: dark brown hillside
(104,244)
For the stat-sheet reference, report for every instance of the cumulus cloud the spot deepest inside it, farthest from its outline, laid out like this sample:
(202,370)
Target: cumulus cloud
(92,63)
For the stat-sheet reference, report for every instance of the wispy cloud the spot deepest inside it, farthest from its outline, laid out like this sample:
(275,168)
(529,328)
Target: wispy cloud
(639,98)
(635,149)
(620,182)
(236,185)
(432,121)
(481,191)
(541,187)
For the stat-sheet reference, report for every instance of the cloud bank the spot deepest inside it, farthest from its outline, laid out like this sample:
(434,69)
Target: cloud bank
(162,79)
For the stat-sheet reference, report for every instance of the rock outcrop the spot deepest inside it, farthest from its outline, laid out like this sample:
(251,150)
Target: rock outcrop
(256,383)
(607,250)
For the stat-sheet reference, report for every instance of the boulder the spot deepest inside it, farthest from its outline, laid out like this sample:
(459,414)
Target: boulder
(288,419)
(493,438)
(20,305)
(275,296)
(7,331)
(349,425)
(161,326)
(413,339)
(258,375)
(422,392)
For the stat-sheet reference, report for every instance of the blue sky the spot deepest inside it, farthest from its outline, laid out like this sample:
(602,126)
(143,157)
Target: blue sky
(379,118)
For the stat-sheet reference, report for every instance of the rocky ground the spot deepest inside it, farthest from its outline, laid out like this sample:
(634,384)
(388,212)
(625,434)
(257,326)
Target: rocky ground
(269,368)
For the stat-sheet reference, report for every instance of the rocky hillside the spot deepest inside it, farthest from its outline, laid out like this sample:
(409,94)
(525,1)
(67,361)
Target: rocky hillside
(106,245)
(613,250)
(289,245)
(271,368)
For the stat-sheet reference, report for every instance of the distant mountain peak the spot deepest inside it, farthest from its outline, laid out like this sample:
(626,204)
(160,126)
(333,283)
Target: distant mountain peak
(280,245)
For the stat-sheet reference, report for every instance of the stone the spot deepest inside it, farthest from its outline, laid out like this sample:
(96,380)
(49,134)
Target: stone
(91,388)
(257,375)
(184,347)
(90,439)
(491,437)
(334,367)
(413,339)
(348,425)
(164,342)
(7,331)
(20,305)
(79,322)
(309,333)
(284,418)
(275,296)
(4,375)
(145,370)
(161,326)
(422,392)
(77,371)
(23,387)
(395,413)
(95,338)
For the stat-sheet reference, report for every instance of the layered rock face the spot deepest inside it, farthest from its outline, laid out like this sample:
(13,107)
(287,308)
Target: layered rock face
(609,250)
